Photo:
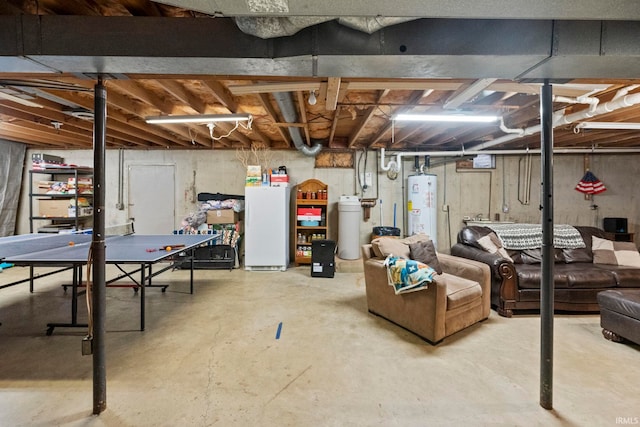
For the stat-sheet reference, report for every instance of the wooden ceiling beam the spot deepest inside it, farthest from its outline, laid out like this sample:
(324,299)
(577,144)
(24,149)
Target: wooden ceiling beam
(413,100)
(36,131)
(178,91)
(221,94)
(133,88)
(127,125)
(333,88)
(364,120)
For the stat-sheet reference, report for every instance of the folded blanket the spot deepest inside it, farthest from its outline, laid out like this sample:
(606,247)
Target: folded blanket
(529,236)
(407,275)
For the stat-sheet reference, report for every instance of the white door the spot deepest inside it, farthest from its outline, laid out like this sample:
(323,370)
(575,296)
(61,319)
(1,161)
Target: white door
(152,198)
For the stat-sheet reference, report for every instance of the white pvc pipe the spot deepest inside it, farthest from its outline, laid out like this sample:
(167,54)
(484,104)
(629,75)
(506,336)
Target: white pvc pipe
(461,153)
(615,104)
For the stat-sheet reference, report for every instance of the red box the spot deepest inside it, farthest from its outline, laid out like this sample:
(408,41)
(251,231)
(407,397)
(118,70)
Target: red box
(279,178)
(309,214)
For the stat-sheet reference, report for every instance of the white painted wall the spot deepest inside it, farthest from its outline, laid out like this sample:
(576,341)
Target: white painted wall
(220,171)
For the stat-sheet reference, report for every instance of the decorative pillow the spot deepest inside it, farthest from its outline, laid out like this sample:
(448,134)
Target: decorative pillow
(616,253)
(425,253)
(385,246)
(492,244)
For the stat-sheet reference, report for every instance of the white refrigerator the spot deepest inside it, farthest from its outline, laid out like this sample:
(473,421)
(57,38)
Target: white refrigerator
(266,232)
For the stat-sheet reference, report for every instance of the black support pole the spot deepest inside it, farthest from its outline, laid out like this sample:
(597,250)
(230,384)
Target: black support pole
(546,287)
(99,299)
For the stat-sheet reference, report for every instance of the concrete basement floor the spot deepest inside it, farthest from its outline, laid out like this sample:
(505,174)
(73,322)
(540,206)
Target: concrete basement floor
(212,358)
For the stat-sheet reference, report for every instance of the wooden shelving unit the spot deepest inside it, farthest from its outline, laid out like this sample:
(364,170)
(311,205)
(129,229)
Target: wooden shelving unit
(303,234)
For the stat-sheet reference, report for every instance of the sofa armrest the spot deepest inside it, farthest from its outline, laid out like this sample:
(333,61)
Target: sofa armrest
(367,251)
(470,252)
(472,270)
(503,272)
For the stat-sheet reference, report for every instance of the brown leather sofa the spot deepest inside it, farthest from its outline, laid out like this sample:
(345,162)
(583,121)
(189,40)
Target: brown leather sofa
(456,299)
(577,280)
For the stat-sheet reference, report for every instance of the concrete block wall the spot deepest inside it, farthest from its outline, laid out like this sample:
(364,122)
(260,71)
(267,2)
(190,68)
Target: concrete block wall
(463,193)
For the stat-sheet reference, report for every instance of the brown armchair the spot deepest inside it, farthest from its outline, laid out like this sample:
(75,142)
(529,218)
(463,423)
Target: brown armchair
(456,299)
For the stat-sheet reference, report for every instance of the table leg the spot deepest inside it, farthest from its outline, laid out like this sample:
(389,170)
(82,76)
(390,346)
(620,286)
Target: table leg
(142,286)
(193,255)
(77,278)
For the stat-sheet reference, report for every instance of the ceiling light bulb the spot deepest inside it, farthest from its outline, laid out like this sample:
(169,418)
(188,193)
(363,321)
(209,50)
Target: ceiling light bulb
(312,98)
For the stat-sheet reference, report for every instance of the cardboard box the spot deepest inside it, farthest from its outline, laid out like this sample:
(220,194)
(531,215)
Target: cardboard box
(222,216)
(84,211)
(54,207)
(83,186)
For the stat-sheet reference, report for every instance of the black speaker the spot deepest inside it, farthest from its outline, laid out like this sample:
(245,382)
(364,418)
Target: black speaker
(323,258)
(615,225)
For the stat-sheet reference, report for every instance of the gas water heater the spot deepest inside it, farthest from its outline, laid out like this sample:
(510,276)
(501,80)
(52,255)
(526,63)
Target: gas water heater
(422,203)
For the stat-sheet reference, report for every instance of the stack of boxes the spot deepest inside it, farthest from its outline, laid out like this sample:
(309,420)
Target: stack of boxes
(66,207)
(271,178)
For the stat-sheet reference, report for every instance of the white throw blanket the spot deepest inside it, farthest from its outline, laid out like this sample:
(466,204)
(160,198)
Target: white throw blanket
(529,236)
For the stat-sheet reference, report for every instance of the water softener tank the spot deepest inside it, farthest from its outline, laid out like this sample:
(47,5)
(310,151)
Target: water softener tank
(349,227)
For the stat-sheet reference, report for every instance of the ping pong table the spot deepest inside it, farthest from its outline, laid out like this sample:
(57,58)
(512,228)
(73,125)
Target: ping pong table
(71,252)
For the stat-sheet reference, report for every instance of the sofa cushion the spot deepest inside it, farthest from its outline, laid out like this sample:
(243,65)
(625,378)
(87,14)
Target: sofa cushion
(626,277)
(460,291)
(425,252)
(534,256)
(493,245)
(583,254)
(530,276)
(615,253)
(588,276)
(385,246)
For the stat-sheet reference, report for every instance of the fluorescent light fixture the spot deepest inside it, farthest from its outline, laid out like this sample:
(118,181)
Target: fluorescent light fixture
(608,125)
(446,118)
(200,118)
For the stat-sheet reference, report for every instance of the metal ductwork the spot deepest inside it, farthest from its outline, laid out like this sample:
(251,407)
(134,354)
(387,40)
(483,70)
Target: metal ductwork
(289,114)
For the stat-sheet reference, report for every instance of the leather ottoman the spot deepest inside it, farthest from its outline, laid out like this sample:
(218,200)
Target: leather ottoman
(620,314)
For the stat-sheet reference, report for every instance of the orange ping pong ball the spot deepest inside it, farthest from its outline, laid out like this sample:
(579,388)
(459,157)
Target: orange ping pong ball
(71,243)
(168,248)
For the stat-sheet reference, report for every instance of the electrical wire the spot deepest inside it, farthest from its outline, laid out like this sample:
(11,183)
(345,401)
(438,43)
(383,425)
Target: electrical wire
(211,126)
(89,293)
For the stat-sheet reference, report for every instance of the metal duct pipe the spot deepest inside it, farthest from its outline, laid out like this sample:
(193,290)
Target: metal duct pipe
(289,114)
